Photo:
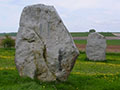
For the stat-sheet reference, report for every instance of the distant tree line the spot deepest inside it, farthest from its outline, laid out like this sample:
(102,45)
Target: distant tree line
(10,34)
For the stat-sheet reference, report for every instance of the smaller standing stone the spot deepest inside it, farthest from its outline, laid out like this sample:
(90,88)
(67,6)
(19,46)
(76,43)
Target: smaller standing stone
(96,47)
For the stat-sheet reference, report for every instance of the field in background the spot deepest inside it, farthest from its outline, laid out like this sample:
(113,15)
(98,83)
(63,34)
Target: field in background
(85,34)
(109,42)
(113,40)
(86,75)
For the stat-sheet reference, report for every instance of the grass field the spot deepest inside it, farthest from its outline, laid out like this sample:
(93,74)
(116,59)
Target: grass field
(109,42)
(85,34)
(86,75)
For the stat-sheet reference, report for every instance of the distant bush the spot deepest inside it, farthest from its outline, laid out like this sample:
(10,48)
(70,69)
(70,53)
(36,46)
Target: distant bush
(8,42)
(92,30)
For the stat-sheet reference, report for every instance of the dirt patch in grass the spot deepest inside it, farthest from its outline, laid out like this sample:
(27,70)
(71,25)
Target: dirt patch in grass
(110,48)
(113,48)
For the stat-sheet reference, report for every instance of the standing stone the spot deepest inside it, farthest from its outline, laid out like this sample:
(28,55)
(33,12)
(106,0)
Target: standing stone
(96,47)
(44,48)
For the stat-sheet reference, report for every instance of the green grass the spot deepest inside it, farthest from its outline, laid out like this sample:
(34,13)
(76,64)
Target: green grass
(85,34)
(107,34)
(86,75)
(113,42)
(79,34)
(109,42)
(80,41)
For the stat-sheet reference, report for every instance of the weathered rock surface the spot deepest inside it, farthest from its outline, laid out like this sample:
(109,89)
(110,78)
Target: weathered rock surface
(44,48)
(96,47)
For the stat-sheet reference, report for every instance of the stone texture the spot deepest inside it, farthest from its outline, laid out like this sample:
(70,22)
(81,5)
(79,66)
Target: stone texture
(96,47)
(44,48)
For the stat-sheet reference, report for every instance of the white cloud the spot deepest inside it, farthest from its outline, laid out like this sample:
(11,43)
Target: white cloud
(78,15)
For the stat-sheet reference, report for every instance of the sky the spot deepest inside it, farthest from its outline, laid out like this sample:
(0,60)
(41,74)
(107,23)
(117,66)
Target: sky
(77,15)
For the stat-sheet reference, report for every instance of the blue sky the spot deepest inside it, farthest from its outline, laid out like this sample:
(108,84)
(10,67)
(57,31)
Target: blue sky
(77,15)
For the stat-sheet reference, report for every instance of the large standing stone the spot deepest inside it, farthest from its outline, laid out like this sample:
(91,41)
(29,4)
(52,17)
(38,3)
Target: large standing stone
(44,48)
(96,47)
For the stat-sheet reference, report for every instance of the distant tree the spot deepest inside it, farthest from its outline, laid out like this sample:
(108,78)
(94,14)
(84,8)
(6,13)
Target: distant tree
(92,30)
(8,42)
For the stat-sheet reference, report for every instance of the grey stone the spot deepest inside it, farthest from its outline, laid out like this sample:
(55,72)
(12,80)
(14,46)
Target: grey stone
(44,48)
(96,47)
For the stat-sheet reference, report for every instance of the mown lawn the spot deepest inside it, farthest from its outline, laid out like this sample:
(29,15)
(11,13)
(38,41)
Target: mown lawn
(85,34)
(86,75)
(109,42)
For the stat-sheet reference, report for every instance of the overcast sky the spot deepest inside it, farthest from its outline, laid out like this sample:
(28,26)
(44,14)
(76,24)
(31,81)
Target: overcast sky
(77,15)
